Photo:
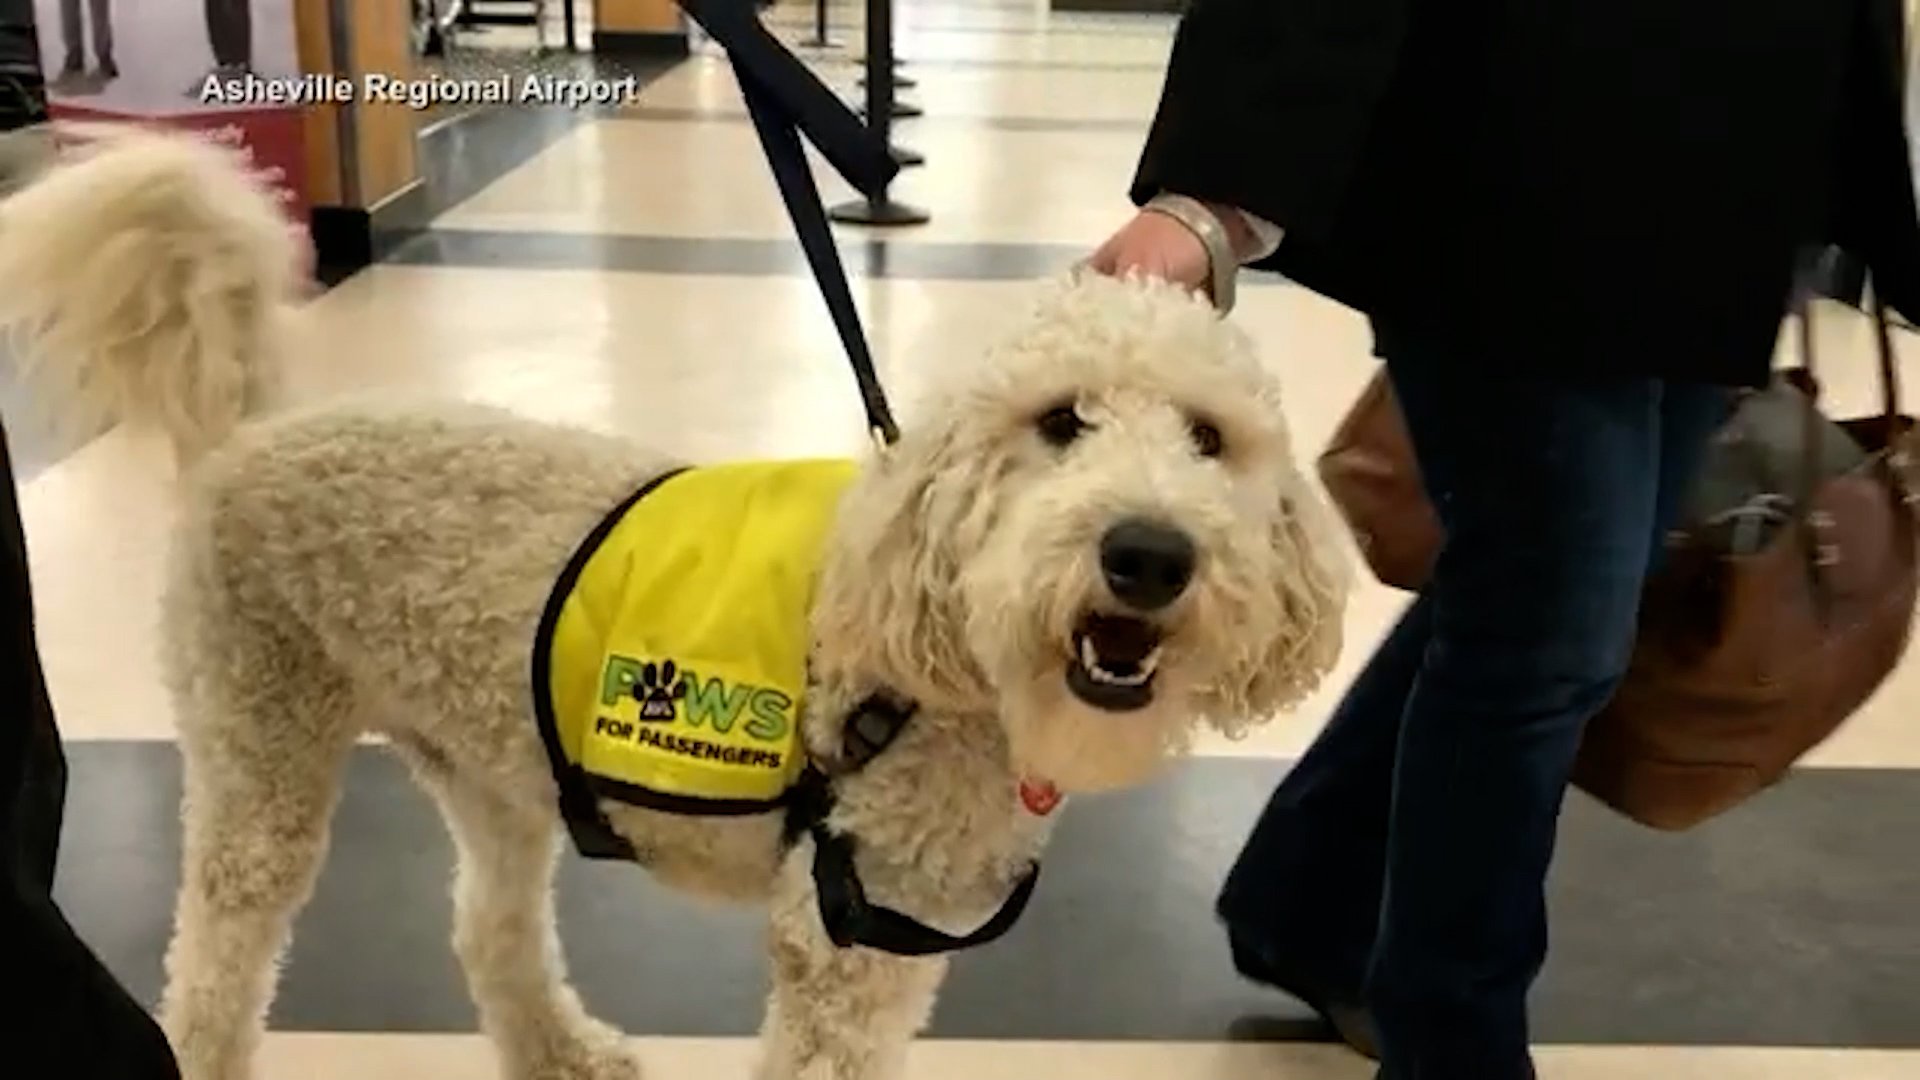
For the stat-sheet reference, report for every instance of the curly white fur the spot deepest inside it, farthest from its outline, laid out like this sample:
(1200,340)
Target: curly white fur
(967,555)
(382,569)
(146,284)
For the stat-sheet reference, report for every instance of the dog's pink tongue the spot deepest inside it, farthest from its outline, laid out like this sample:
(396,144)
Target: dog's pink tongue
(1039,796)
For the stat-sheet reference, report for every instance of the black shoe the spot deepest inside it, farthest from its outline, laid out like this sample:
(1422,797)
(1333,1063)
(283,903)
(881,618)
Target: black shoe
(109,69)
(1348,1020)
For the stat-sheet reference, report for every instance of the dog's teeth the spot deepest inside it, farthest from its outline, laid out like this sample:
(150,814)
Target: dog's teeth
(1137,678)
(1140,676)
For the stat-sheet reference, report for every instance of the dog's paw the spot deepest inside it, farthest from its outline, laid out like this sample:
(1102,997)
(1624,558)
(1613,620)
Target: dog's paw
(597,1065)
(596,1053)
(614,1065)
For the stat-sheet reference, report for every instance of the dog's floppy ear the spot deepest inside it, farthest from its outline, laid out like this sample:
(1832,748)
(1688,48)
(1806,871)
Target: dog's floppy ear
(1311,579)
(888,606)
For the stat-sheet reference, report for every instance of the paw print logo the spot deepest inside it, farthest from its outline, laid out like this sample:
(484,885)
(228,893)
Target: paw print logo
(657,688)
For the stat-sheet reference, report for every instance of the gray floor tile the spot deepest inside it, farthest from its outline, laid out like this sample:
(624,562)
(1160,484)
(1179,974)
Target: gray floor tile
(1789,922)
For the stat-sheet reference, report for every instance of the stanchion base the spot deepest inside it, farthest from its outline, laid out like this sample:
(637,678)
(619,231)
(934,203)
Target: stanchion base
(900,82)
(819,43)
(908,158)
(902,110)
(878,212)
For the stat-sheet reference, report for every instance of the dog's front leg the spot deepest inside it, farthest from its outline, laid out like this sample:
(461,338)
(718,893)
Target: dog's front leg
(837,1014)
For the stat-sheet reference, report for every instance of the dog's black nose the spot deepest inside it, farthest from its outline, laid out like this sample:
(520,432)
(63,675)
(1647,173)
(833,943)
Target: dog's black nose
(1147,564)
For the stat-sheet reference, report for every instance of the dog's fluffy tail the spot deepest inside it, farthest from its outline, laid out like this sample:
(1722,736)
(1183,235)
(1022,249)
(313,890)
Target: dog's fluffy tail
(146,279)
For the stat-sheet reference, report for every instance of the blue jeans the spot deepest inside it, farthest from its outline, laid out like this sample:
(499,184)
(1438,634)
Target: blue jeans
(1401,865)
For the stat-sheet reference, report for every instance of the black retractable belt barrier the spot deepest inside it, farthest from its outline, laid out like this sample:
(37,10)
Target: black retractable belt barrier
(787,101)
(801,98)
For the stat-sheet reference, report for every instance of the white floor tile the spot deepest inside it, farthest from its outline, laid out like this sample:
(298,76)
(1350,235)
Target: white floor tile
(463,1057)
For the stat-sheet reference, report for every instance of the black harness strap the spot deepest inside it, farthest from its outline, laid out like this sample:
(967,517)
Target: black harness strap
(851,920)
(848,916)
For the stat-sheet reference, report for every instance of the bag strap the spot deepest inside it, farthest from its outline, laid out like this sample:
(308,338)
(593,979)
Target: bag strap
(1815,523)
(1889,368)
(786,100)
(1810,420)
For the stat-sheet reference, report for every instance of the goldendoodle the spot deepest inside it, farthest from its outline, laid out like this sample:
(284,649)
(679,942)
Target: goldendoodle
(854,692)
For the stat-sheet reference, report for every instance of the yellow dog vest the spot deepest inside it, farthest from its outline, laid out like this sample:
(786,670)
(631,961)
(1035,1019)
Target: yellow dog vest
(671,664)
(669,668)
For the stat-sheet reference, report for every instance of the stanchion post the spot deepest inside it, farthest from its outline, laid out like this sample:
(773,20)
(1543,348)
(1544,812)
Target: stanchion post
(820,40)
(882,62)
(881,209)
(880,66)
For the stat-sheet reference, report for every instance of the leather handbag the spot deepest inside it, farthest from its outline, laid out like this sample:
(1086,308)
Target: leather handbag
(1786,598)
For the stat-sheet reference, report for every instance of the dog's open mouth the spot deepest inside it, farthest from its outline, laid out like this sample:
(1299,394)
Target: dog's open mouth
(1114,661)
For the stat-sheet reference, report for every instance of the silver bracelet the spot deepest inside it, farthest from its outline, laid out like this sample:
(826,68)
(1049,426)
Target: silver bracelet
(1202,223)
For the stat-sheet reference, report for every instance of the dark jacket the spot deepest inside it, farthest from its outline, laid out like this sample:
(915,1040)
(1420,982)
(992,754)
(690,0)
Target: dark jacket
(1613,186)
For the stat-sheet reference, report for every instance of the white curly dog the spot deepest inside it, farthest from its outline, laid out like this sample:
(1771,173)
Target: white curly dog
(1093,542)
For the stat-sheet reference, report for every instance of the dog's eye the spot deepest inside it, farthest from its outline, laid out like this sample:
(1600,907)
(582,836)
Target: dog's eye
(1061,425)
(1207,439)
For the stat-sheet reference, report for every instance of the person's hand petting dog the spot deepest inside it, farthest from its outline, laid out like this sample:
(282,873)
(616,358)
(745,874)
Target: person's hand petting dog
(1155,245)
(1184,241)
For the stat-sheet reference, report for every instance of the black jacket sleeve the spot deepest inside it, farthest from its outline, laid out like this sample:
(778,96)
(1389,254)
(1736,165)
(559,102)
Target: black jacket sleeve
(1267,104)
(1875,216)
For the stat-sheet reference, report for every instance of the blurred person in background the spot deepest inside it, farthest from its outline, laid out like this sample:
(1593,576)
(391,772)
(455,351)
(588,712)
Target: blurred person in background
(73,34)
(230,35)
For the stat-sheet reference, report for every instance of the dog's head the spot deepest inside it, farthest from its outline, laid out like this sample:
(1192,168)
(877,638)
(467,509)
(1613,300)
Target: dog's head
(1097,533)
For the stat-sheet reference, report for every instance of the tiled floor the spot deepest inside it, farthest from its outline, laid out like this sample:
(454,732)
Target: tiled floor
(376,1057)
(634,272)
